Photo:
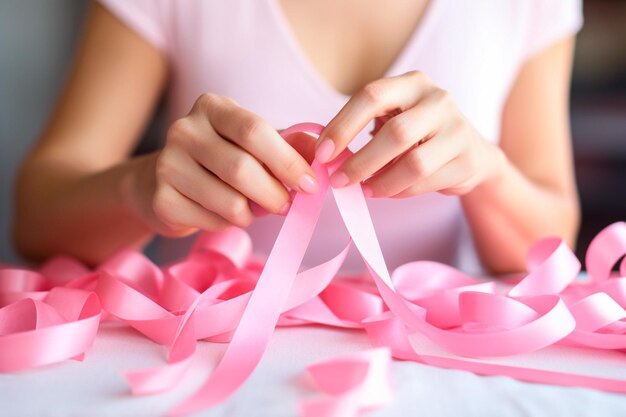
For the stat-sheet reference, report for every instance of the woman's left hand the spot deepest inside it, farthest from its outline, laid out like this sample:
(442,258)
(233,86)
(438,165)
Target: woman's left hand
(421,141)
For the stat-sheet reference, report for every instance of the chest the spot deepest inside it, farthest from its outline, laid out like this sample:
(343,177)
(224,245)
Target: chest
(352,42)
(288,67)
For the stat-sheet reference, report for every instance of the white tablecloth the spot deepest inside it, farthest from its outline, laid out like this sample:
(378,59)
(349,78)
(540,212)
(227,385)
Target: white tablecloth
(96,387)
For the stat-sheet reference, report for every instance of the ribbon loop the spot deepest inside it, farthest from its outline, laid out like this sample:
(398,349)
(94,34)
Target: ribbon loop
(221,294)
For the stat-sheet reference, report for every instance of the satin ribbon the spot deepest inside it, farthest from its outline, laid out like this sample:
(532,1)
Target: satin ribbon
(352,383)
(220,294)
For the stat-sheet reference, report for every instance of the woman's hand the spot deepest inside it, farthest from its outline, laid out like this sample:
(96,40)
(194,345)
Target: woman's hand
(221,163)
(421,141)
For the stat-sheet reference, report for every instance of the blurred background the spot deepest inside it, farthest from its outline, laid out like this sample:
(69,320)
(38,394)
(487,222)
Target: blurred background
(37,39)
(598,111)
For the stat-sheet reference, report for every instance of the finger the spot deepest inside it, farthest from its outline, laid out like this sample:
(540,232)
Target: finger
(380,121)
(448,176)
(414,167)
(257,210)
(259,138)
(374,100)
(179,213)
(396,136)
(241,173)
(204,188)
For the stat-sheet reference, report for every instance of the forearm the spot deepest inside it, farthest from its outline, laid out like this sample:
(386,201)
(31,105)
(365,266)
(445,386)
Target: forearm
(509,213)
(88,215)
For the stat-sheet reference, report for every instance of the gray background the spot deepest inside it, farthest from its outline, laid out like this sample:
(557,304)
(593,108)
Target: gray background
(37,39)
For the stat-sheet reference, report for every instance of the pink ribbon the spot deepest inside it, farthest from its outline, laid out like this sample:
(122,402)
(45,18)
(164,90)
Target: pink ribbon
(352,383)
(219,293)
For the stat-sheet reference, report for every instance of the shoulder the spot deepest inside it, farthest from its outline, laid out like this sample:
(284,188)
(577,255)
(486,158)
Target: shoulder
(163,23)
(539,24)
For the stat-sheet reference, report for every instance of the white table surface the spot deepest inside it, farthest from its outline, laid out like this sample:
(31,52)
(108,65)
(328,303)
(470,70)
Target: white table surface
(96,387)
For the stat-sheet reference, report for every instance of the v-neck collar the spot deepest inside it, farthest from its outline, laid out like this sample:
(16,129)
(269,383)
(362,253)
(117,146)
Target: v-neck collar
(419,36)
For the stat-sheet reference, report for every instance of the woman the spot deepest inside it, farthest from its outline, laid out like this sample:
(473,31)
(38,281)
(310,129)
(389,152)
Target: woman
(469,102)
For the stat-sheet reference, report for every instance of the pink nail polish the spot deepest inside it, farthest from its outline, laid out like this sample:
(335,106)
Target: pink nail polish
(283,211)
(308,184)
(325,151)
(367,190)
(339,180)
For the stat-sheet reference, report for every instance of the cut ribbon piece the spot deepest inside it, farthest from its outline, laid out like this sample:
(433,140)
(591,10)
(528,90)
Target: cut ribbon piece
(352,383)
(423,311)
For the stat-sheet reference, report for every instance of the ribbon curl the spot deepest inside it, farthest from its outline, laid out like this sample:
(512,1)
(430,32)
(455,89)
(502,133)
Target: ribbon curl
(220,294)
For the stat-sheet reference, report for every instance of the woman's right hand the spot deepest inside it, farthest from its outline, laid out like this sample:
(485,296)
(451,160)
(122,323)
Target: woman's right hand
(220,161)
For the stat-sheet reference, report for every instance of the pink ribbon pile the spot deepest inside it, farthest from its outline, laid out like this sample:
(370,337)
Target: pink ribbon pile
(220,293)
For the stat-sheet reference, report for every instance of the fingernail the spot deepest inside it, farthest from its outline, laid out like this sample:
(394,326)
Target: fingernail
(367,190)
(308,184)
(325,151)
(339,179)
(283,211)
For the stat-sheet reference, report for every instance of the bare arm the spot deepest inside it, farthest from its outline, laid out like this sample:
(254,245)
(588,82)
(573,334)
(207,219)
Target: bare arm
(79,192)
(535,195)
(69,198)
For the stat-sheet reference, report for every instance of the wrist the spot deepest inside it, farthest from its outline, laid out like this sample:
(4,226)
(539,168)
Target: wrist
(497,169)
(499,166)
(137,186)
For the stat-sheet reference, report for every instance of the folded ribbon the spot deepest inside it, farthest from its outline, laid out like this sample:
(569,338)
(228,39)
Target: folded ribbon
(220,294)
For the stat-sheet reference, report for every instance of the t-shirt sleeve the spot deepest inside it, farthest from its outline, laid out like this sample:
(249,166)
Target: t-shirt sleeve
(146,17)
(551,21)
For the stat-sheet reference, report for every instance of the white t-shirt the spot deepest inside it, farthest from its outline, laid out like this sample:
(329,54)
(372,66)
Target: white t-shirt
(246,50)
